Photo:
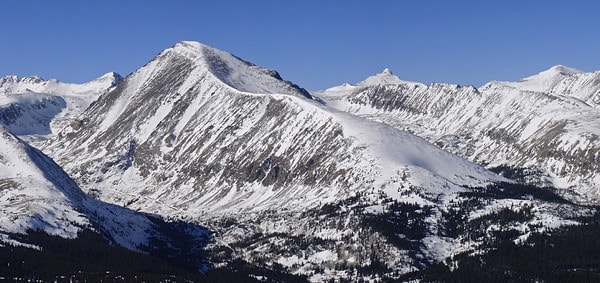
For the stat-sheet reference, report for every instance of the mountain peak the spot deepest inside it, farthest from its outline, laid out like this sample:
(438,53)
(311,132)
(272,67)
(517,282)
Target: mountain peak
(561,70)
(387,71)
(18,79)
(111,75)
(554,73)
(109,79)
(191,44)
(547,78)
(383,78)
(235,72)
(191,48)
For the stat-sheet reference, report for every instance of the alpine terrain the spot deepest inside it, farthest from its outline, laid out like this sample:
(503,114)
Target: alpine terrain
(540,130)
(214,164)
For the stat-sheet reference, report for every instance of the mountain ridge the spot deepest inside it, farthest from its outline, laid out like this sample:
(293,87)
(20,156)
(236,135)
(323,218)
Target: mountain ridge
(500,124)
(559,80)
(176,139)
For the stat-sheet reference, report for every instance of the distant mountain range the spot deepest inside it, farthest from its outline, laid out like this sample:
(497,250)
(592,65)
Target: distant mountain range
(199,154)
(540,130)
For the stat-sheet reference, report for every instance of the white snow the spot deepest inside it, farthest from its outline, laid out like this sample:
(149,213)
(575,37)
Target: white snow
(233,94)
(29,199)
(237,74)
(48,106)
(385,77)
(502,123)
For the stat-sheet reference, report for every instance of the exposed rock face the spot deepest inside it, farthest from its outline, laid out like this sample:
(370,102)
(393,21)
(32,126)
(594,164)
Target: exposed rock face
(198,134)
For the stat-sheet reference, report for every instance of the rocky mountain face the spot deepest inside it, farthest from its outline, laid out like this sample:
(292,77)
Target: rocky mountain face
(360,182)
(540,130)
(284,181)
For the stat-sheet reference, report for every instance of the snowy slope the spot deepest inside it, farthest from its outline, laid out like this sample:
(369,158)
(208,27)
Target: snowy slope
(33,196)
(35,109)
(355,178)
(540,124)
(36,194)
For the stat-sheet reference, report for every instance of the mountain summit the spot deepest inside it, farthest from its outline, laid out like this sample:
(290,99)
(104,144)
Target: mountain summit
(199,134)
(563,70)
(383,78)
(233,71)
(559,80)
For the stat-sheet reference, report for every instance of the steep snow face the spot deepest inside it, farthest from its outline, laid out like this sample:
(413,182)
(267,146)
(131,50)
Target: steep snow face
(550,134)
(35,109)
(179,138)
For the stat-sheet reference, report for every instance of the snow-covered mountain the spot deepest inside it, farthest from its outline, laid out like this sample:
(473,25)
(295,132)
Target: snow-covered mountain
(378,180)
(288,183)
(542,126)
(36,109)
(199,130)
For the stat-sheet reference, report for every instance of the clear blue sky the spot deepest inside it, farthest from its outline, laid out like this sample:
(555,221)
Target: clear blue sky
(316,44)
